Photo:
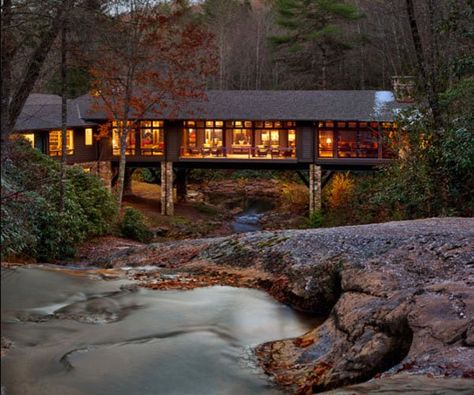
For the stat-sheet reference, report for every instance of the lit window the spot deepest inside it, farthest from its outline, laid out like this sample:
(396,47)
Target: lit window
(88,135)
(55,142)
(30,137)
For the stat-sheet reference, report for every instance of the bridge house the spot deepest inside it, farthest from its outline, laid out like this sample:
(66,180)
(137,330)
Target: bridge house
(314,130)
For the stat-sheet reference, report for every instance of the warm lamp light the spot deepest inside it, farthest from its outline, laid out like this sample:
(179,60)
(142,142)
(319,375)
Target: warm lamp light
(328,141)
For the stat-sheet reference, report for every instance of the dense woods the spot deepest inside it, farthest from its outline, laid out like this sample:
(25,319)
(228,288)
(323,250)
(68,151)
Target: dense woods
(133,53)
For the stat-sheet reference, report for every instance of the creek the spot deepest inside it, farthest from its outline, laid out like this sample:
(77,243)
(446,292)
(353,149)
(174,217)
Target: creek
(77,334)
(249,219)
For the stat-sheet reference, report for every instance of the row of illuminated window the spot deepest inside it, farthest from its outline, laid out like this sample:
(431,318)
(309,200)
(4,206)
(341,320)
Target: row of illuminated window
(240,124)
(55,145)
(216,137)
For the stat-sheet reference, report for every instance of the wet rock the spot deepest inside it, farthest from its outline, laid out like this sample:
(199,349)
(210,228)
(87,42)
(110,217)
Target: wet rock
(6,344)
(399,297)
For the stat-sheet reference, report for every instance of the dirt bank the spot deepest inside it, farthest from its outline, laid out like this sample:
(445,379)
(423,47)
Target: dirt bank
(399,297)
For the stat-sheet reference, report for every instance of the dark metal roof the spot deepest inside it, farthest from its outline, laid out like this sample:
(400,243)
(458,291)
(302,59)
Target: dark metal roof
(230,105)
(44,112)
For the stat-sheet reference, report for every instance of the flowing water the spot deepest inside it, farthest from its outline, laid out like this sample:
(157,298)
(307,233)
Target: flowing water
(249,219)
(78,335)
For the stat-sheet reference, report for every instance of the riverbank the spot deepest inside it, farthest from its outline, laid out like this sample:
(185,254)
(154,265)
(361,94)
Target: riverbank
(211,207)
(399,297)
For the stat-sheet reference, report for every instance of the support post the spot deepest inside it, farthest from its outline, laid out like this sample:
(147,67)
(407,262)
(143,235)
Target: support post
(181,186)
(314,188)
(167,205)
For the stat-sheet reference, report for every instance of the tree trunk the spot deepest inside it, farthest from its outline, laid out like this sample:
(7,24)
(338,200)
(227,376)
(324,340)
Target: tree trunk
(62,186)
(426,77)
(122,165)
(6,55)
(324,68)
(18,99)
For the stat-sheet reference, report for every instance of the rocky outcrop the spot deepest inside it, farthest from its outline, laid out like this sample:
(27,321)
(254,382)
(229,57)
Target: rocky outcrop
(399,297)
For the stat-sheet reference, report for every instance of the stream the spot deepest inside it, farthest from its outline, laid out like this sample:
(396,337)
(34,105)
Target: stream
(76,334)
(249,219)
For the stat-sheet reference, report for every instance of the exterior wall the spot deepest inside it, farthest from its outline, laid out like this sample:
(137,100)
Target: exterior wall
(82,152)
(173,136)
(305,135)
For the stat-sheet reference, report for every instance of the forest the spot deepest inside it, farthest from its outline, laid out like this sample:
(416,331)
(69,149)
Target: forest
(135,53)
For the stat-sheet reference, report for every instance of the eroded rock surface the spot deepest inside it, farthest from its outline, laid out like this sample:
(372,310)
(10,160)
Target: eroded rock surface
(399,297)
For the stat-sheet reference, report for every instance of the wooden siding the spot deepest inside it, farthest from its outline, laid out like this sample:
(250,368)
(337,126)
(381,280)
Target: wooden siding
(173,136)
(82,152)
(305,134)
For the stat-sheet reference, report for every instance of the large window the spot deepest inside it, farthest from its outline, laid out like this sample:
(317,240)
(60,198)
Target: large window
(131,141)
(203,138)
(152,137)
(239,139)
(348,140)
(275,138)
(55,142)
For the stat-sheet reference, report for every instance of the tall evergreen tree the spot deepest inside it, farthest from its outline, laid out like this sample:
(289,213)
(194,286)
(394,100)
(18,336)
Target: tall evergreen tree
(313,35)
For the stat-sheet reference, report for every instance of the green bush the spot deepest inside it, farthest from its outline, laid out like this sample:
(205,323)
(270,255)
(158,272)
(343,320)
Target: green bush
(315,220)
(32,224)
(133,226)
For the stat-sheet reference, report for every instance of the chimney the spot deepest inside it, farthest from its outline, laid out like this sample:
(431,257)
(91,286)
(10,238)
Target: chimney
(404,88)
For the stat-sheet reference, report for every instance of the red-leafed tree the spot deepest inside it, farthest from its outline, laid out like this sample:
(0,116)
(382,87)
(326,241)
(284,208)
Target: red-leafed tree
(151,59)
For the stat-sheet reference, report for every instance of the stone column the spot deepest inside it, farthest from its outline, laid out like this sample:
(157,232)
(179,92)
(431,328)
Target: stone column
(181,187)
(167,205)
(314,188)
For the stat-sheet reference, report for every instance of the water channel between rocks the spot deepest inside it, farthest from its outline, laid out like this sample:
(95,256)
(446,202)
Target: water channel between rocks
(108,339)
(249,219)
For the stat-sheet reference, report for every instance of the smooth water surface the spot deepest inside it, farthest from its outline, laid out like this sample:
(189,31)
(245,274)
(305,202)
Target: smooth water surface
(108,338)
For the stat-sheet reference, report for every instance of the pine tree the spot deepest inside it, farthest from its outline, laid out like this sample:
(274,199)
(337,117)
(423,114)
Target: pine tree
(313,37)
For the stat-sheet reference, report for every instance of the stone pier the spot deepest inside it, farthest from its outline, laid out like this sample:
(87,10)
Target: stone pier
(314,188)
(167,204)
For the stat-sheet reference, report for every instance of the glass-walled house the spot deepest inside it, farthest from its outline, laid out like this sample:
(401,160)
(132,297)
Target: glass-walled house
(239,139)
(145,138)
(365,140)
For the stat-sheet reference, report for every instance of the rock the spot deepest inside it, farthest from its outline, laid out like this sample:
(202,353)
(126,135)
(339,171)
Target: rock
(398,297)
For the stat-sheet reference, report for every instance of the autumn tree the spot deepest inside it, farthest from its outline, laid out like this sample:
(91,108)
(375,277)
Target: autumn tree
(152,59)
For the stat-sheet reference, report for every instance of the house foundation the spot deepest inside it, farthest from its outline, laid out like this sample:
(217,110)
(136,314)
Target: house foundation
(314,188)
(167,204)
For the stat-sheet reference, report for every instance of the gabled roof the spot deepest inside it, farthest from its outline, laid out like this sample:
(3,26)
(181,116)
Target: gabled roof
(273,105)
(44,111)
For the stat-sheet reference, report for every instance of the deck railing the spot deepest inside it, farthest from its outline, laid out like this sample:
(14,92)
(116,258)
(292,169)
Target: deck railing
(239,152)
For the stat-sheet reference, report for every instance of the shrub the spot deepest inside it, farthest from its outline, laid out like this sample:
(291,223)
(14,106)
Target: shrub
(133,226)
(32,225)
(315,220)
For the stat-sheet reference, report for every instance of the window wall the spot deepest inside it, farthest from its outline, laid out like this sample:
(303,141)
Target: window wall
(239,139)
(152,138)
(131,138)
(350,140)
(55,142)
